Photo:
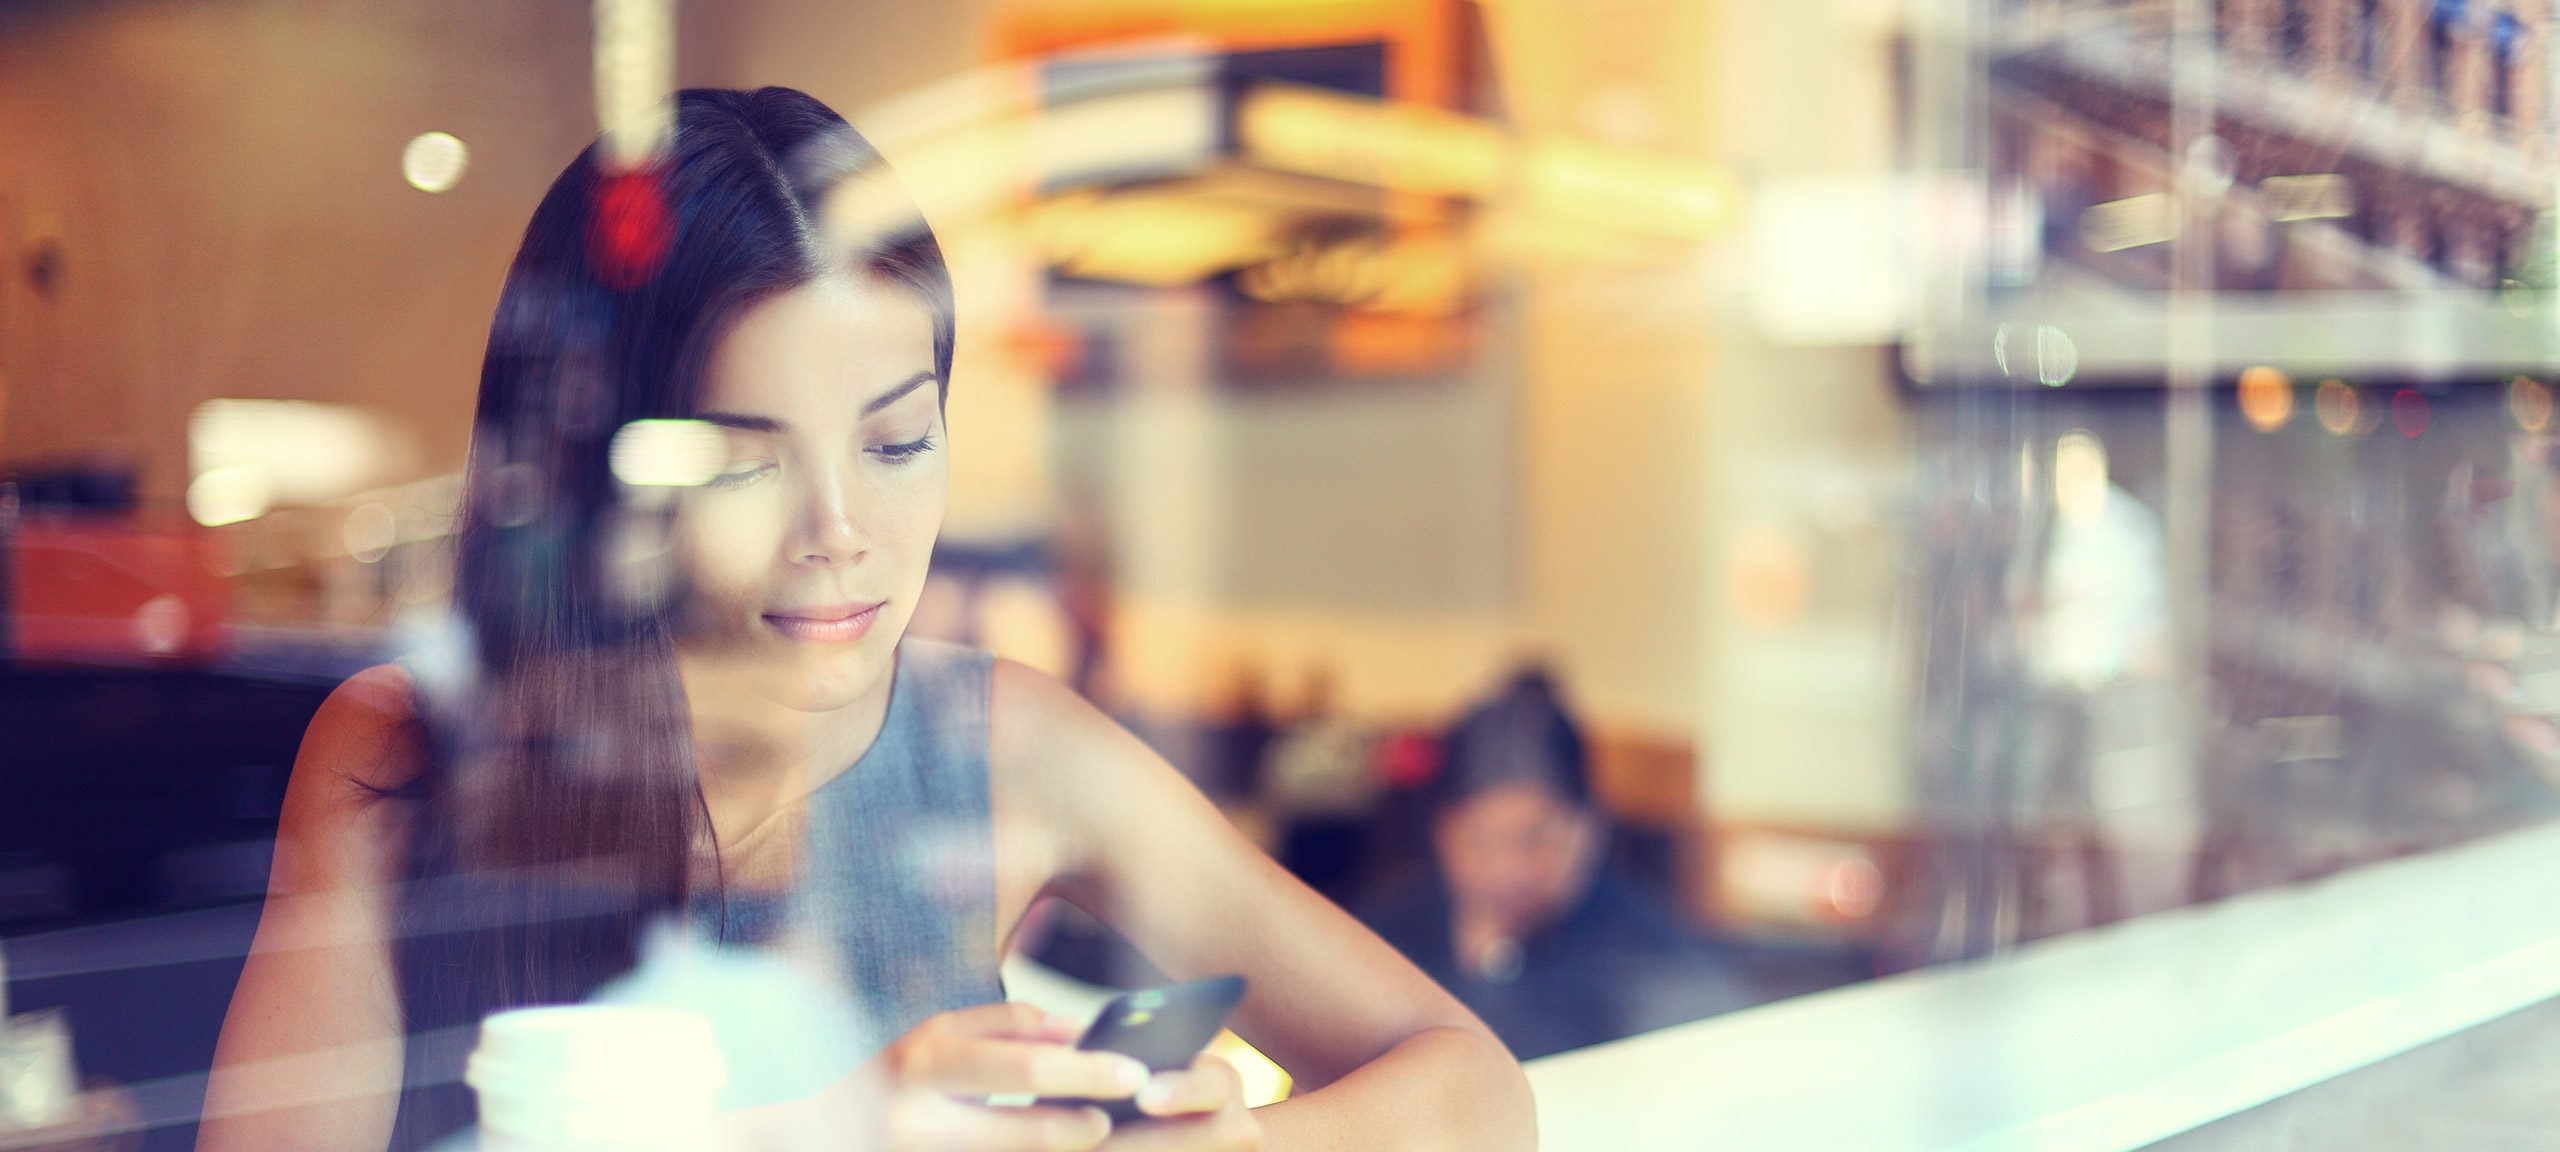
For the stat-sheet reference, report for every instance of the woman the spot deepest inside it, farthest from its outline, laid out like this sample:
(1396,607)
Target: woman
(697,701)
(1522,916)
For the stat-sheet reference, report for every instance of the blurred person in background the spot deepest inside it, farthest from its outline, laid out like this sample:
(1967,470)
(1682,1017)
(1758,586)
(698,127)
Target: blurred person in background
(1236,737)
(1521,915)
(691,699)
(2096,630)
(1320,789)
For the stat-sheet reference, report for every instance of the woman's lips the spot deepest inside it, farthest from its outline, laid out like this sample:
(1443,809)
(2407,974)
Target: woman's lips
(831,625)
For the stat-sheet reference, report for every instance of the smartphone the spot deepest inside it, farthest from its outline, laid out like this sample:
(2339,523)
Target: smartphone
(1163,1028)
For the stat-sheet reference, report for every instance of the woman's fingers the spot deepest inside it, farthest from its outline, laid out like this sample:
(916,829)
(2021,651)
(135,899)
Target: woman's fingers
(974,1066)
(1199,1109)
(1208,1085)
(1010,1049)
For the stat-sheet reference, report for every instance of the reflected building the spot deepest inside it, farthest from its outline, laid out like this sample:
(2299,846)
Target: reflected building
(2372,596)
(2367,144)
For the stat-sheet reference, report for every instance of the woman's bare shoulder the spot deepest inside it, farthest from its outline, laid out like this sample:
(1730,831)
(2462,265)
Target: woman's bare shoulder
(1052,752)
(1052,755)
(1035,724)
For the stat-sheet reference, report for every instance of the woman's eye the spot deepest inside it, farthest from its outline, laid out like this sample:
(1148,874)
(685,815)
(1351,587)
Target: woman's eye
(742,474)
(902,452)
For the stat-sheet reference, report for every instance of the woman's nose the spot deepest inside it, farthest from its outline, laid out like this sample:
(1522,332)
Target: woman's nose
(829,533)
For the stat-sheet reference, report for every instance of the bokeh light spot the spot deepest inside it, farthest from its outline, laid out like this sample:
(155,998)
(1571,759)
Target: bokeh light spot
(2057,358)
(434,161)
(2337,406)
(668,453)
(160,624)
(2529,402)
(2409,413)
(369,532)
(1855,888)
(2266,397)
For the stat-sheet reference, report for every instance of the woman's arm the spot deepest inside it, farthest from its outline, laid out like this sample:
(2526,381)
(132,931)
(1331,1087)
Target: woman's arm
(310,1056)
(1393,1061)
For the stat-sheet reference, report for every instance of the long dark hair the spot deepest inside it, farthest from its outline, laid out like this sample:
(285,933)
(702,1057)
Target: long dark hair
(559,811)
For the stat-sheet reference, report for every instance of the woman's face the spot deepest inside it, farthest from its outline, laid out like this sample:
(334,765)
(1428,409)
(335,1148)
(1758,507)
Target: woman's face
(1517,855)
(805,555)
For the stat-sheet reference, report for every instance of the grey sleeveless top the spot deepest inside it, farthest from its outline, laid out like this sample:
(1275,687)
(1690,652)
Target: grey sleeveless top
(897,869)
(897,880)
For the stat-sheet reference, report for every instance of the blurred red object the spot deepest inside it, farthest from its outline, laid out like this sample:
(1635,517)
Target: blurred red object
(631,228)
(82,590)
(1407,759)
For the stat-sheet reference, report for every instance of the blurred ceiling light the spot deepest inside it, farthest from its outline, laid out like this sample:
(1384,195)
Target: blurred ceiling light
(2529,402)
(668,453)
(308,453)
(2080,476)
(1656,193)
(2128,223)
(634,77)
(229,495)
(1127,136)
(1412,148)
(1150,239)
(2266,397)
(2323,196)
(2337,406)
(1401,146)
(433,161)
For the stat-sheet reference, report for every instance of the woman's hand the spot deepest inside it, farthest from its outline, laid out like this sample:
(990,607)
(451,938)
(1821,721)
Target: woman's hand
(934,1079)
(1198,1109)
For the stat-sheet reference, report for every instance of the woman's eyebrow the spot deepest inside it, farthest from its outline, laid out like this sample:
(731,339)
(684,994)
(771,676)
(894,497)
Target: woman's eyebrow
(891,396)
(744,423)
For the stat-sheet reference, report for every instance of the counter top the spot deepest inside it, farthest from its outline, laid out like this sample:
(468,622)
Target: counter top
(2098,1041)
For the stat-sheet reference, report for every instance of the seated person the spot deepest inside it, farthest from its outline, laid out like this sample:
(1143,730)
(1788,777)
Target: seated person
(707,471)
(1521,917)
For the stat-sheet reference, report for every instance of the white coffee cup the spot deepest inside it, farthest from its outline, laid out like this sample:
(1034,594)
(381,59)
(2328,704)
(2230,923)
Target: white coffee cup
(596,1077)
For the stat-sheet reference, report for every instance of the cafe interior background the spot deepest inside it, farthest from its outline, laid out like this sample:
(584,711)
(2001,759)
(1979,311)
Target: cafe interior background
(1990,477)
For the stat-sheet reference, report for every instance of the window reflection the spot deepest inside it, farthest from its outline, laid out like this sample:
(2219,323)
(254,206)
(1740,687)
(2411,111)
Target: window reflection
(1655,510)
